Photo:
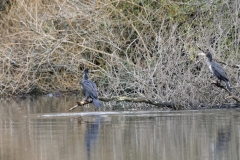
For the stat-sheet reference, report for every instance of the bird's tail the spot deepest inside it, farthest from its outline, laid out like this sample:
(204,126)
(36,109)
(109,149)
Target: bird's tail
(228,86)
(97,103)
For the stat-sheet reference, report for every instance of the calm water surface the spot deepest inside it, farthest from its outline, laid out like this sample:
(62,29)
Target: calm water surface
(43,129)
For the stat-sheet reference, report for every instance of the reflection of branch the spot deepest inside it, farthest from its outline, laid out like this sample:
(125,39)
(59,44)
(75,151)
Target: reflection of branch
(231,95)
(157,103)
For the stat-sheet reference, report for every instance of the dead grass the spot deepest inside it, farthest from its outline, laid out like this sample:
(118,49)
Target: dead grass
(145,48)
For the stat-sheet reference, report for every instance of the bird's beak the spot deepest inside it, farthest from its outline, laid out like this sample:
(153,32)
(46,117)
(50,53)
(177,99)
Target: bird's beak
(201,54)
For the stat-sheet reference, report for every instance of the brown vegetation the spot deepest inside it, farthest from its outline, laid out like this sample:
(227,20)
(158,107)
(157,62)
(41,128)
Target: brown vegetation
(145,49)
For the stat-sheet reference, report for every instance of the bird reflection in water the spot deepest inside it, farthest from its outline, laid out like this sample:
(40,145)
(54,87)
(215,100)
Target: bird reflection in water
(91,135)
(222,142)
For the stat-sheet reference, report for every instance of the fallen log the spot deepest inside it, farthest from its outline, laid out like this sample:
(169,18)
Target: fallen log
(160,104)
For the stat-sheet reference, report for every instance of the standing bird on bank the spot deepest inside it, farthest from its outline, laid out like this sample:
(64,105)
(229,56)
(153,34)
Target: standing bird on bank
(216,69)
(90,89)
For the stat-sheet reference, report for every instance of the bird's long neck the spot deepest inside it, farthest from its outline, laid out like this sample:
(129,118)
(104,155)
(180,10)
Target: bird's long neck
(86,76)
(210,58)
(209,61)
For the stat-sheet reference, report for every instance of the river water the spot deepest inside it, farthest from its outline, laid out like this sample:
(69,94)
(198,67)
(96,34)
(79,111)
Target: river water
(43,128)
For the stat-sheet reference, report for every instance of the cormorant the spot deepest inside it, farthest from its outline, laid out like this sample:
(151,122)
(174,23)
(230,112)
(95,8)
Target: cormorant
(90,89)
(216,69)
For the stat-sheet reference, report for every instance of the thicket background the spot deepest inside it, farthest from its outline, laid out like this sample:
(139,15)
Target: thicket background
(134,48)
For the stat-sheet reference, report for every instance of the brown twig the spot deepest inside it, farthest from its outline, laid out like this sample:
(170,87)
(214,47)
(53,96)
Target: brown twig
(200,49)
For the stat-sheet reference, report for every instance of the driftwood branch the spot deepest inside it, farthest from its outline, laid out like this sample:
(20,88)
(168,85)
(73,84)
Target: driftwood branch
(157,103)
(82,103)
(231,95)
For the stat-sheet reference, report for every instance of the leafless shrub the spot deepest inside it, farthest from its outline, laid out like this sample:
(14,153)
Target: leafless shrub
(145,48)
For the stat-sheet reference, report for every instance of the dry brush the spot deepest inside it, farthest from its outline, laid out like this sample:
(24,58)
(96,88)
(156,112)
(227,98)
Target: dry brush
(134,48)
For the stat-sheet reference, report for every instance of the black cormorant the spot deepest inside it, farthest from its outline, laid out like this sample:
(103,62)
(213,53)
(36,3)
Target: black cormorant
(90,89)
(216,69)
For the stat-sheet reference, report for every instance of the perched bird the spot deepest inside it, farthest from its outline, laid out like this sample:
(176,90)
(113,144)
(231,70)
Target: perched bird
(216,69)
(90,89)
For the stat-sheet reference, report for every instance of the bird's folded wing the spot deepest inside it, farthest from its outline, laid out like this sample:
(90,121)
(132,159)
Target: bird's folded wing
(90,87)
